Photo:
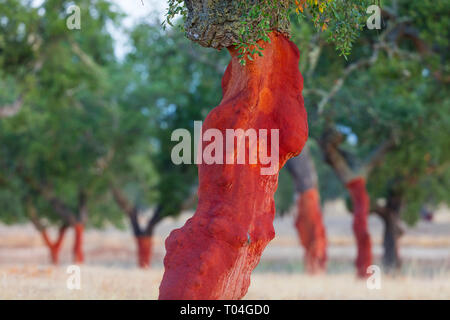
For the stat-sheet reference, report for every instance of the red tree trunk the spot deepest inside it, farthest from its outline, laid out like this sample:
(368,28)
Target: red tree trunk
(214,253)
(144,251)
(361,206)
(54,247)
(311,231)
(78,255)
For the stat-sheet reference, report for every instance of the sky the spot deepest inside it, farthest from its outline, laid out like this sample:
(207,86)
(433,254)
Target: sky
(135,10)
(140,8)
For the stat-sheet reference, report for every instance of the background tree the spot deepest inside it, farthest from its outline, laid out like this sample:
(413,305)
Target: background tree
(368,108)
(309,222)
(50,162)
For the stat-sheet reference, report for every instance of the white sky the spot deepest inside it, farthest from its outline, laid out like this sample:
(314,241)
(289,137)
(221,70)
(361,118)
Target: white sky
(139,8)
(135,10)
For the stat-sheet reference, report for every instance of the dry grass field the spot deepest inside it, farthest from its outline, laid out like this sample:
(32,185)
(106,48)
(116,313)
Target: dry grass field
(110,272)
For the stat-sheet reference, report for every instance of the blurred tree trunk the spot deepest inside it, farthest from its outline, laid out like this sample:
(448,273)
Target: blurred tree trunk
(354,180)
(144,251)
(78,252)
(390,214)
(309,221)
(391,257)
(143,237)
(54,247)
(361,208)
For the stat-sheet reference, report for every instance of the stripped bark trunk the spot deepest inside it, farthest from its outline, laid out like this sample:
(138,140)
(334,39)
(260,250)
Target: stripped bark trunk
(79,226)
(361,207)
(78,254)
(391,256)
(355,182)
(312,231)
(222,243)
(143,236)
(54,246)
(309,222)
(144,246)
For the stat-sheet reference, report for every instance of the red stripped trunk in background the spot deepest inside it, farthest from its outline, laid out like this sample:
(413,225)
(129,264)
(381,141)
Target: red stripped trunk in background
(213,254)
(78,255)
(144,251)
(54,247)
(311,231)
(361,206)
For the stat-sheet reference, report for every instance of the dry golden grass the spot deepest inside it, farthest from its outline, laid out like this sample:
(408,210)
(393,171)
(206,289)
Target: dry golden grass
(110,271)
(119,283)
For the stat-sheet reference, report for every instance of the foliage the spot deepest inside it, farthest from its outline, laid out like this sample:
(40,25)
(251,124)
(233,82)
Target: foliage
(162,100)
(89,119)
(62,132)
(395,90)
(341,19)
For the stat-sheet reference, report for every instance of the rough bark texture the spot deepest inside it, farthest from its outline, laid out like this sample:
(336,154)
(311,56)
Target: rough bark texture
(309,223)
(215,23)
(391,257)
(392,232)
(144,246)
(214,253)
(54,247)
(78,255)
(311,231)
(303,171)
(361,207)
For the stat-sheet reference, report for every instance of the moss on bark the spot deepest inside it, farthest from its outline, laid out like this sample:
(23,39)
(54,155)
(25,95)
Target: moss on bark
(216,23)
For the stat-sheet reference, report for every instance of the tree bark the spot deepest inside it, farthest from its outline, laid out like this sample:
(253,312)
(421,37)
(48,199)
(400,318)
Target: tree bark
(216,23)
(312,231)
(144,252)
(361,206)
(355,182)
(78,254)
(309,223)
(392,231)
(391,257)
(214,253)
(54,247)
(143,237)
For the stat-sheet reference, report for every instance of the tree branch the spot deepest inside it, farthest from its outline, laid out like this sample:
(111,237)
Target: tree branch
(329,144)
(130,210)
(64,211)
(156,218)
(346,73)
(376,156)
(32,214)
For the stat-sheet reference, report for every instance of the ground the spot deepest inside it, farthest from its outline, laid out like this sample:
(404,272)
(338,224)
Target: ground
(110,271)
